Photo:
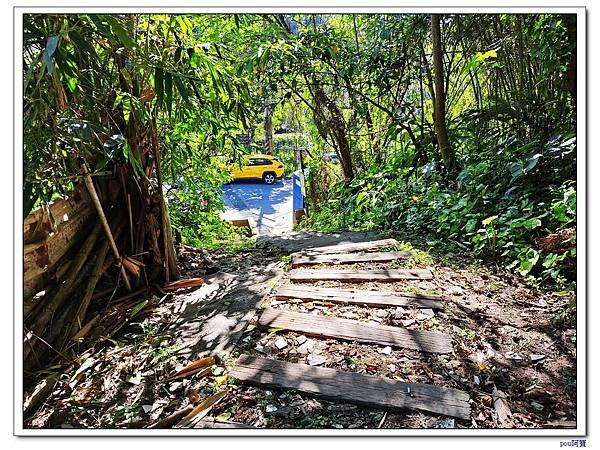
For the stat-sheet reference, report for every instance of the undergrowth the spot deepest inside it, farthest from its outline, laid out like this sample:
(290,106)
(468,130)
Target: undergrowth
(493,210)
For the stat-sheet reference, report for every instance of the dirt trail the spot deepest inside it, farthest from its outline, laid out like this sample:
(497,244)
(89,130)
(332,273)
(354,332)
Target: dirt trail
(505,335)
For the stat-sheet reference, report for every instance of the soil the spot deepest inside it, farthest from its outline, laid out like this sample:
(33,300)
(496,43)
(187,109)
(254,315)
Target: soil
(506,334)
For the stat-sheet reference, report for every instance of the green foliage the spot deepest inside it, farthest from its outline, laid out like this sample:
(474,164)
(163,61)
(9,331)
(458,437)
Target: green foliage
(127,414)
(160,357)
(91,77)
(194,205)
(510,118)
(497,223)
(315,421)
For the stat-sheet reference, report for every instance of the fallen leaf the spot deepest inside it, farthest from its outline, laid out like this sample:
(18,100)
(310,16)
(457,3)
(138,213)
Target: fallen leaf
(193,396)
(201,410)
(223,417)
(371,367)
(221,380)
(194,367)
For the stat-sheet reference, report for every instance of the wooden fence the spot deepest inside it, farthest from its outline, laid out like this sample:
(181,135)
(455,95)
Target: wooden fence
(48,236)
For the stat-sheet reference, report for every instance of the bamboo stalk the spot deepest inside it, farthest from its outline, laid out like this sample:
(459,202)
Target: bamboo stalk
(126,297)
(170,258)
(89,291)
(152,225)
(63,291)
(103,292)
(93,194)
(83,332)
(48,340)
(70,177)
(174,270)
(55,331)
(130,223)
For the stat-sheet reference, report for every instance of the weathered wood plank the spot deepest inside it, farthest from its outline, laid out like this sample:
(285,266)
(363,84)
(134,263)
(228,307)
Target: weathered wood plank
(358,297)
(41,257)
(347,258)
(353,330)
(37,224)
(358,276)
(352,387)
(349,247)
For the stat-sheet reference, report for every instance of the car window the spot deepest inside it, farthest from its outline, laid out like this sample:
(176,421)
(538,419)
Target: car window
(260,162)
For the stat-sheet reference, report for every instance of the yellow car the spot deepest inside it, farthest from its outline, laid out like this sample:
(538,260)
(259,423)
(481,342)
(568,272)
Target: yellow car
(266,167)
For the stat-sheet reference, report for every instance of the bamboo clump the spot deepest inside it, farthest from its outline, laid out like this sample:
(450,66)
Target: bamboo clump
(86,284)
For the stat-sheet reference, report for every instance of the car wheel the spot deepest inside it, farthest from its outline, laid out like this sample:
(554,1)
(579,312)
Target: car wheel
(269,178)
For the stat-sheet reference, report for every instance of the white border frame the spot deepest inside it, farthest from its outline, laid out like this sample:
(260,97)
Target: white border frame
(582,387)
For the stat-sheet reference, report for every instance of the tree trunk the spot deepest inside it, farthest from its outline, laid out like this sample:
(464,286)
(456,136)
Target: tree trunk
(571,24)
(332,122)
(269,130)
(440,95)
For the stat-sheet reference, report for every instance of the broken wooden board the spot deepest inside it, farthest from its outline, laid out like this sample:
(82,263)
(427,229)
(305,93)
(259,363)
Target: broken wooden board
(352,387)
(347,258)
(349,247)
(353,330)
(361,276)
(358,297)
(38,224)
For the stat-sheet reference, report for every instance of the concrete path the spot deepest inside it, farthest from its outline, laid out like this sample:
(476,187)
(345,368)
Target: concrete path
(269,205)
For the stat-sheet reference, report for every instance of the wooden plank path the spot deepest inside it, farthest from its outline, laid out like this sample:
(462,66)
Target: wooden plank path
(353,330)
(349,247)
(358,297)
(347,258)
(368,390)
(352,387)
(358,276)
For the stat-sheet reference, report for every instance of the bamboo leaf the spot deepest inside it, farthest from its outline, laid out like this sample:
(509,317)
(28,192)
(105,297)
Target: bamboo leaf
(181,88)
(137,308)
(159,85)
(122,35)
(169,91)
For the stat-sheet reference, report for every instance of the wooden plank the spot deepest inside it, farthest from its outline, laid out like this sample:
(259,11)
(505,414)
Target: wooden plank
(358,297)
(49,250)
(349,247)
(41,257)
(353,330)
(361,276)
(347,258)
(352,387)
(37,224)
